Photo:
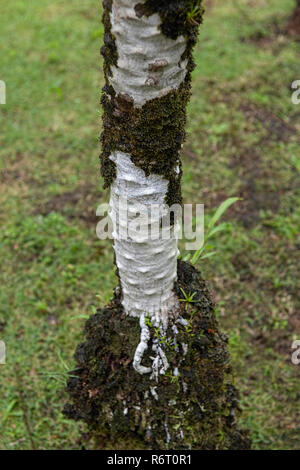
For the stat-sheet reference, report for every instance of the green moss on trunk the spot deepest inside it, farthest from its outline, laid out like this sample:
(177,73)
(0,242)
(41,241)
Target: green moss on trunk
(152,135)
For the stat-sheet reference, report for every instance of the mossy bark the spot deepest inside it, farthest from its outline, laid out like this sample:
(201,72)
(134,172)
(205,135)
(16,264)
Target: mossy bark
(153,134)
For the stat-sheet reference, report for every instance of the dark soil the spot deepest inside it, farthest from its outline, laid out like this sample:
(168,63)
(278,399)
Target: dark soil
(257,181)
(293,26)
(255,189)
(276,128)
(268,35)
(80,203)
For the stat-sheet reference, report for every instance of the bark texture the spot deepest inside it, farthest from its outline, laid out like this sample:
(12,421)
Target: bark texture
(147,267)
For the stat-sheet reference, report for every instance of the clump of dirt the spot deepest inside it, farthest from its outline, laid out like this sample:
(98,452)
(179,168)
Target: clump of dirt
(257,181)
(2,326)
(196,408)
(9,175)
(267,36)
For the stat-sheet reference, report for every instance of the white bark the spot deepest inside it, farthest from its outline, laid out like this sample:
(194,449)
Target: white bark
(147,268)
(149,66)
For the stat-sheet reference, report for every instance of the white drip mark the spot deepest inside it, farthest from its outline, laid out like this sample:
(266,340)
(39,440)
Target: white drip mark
(181,321)
(143,345)
(185,348)
(167,430)
(148,432)
(153,392)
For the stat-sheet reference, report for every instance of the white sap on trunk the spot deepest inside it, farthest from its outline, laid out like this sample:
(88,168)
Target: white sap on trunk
(149,66)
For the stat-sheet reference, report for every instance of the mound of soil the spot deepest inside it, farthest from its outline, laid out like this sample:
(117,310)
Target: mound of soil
(196,408)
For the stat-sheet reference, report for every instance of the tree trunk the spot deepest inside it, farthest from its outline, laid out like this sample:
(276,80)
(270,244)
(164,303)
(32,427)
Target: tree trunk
(145,97)
(147,88)
(153,372)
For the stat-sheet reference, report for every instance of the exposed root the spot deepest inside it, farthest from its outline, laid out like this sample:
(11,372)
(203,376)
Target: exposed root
(142,347)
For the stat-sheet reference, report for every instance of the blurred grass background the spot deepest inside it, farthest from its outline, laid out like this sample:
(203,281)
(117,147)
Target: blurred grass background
(243,140)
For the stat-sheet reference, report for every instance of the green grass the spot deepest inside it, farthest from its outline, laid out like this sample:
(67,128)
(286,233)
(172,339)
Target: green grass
(243,140)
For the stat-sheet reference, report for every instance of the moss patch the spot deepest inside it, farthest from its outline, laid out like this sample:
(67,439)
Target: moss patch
(179,17)
(110,57)
(109,48)
(152,135)
(197,408)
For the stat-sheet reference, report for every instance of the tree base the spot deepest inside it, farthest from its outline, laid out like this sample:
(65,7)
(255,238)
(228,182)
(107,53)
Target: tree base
(195,408)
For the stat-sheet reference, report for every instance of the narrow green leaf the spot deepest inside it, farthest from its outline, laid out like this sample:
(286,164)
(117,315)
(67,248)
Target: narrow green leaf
(221,209)
(208,255)
(217,229)
(8,410)
(75,317)
(197,254)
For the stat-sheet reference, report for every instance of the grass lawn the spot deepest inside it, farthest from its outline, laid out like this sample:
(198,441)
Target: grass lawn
(243,140)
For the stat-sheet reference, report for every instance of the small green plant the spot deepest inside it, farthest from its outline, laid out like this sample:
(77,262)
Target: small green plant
(85,316)
(188,298)
(189,327)
(212,229)
(173,378)
(195,15)
(168,343)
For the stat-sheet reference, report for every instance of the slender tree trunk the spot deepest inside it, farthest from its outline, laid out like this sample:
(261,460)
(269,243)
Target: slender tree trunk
(147,56)
(152,372)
